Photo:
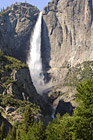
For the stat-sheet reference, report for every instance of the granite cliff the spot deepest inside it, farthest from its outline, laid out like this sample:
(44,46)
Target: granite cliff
(16,25)
(67,49)
(17,89)
(66,42)
(67,36)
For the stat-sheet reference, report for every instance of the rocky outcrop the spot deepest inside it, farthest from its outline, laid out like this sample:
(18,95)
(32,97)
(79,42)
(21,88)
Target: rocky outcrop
(23,87)
(15,82)
(62,97)
(16,26)
(64,107)
(67,32)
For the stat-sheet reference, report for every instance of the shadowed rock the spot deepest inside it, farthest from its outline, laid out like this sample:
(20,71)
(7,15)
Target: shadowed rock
(64,107)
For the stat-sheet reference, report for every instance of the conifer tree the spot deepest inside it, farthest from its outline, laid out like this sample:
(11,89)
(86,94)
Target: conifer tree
(12,134)
(28,117)
(36,132)
(2,131)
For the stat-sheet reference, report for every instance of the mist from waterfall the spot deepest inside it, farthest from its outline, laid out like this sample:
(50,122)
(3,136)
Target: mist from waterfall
(34,60)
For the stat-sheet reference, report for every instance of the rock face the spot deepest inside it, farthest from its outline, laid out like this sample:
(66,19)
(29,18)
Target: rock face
(15,81)
(23,87)
(16,26)
(62,99)
(67,34)
(67,40)
(64,107)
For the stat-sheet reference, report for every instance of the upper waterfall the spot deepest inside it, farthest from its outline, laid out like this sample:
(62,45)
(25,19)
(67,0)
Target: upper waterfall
(34,60)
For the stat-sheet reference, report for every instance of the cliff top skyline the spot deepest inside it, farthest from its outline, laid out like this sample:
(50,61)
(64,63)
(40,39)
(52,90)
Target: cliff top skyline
(40,4)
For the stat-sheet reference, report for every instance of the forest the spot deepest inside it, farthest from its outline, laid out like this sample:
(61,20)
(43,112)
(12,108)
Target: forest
(79,126)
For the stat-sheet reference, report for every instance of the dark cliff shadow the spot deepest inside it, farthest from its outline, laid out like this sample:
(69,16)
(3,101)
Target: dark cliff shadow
(45,51)
(64,107)
(91,9)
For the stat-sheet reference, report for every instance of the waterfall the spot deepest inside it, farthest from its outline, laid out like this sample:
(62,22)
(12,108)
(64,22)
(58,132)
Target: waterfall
(34,60)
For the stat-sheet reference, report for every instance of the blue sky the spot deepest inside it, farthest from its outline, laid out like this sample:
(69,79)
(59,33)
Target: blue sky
(39,3)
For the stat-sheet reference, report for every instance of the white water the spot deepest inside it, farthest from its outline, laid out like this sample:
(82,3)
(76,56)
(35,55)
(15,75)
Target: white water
(53,115)
(34,60)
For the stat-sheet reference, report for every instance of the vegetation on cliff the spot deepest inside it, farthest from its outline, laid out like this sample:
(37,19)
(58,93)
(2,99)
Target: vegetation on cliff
(79,73)
(12,104)
(67,41)
(7,65)
(78,126)
(4,10)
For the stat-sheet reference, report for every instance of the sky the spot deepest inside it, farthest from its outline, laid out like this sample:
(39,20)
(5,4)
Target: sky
(40,4)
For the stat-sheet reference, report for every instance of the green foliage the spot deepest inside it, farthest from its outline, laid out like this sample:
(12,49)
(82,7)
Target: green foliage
(20,131)
(2,131)
(85,91)
(8,100)
(82,128)
(1,72)
(28,117)
(79,126)
(6,81)
(14,63)
(79,73)
(84,112)
(29,125)
(12,134)
(36,132)
(1,54)
(7,65)
(4,10)
(59,129)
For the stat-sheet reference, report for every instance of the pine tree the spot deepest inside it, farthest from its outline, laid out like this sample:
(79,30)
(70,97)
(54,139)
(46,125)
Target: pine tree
(2,131)
(28,117)
(83,125)
(1,53)
(36,132)
(79,126)
(12,134)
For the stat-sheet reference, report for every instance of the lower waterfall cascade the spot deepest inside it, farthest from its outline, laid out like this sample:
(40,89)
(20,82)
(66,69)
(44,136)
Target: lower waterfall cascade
(34,60)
